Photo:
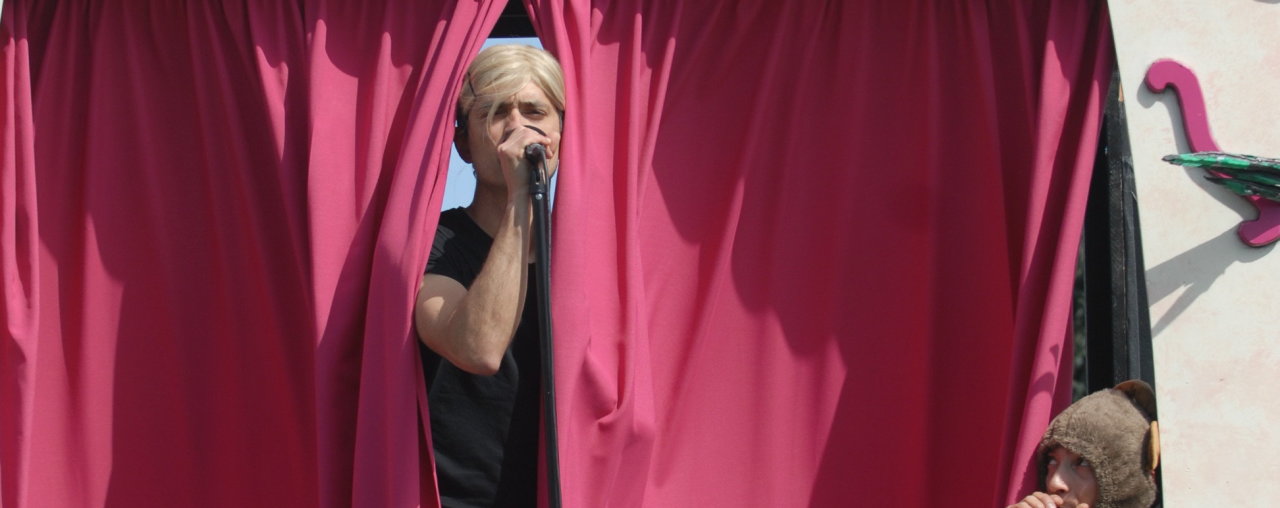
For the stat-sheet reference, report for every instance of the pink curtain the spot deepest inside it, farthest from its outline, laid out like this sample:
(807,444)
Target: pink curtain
(817,253)
(212,220)
(807,253)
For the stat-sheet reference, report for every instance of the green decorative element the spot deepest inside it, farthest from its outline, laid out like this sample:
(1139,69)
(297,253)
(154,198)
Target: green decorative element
(1246,175)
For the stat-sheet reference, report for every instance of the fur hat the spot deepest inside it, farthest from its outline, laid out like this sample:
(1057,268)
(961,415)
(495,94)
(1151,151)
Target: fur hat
(1115,430)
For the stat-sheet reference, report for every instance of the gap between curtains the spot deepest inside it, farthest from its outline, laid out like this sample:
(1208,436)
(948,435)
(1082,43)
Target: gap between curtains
(213,220)
(817,253)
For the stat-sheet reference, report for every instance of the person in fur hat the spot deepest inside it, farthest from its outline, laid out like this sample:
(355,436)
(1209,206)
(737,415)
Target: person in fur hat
(1101,452)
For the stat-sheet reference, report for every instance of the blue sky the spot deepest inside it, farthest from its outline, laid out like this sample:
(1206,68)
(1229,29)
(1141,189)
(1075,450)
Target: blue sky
(461,181)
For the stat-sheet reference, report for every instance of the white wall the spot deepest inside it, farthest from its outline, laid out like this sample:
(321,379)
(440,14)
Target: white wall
(1215,303)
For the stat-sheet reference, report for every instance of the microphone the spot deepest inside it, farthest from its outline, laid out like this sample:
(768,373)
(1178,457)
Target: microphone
(535,153)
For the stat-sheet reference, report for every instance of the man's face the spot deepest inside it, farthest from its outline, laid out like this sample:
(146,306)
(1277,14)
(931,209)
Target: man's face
(1071,477)
(528,107)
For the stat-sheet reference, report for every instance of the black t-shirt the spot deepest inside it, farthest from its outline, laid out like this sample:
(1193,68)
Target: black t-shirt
(484,428)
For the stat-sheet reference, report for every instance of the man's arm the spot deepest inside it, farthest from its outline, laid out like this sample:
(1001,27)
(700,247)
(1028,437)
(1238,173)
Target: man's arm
(473,328)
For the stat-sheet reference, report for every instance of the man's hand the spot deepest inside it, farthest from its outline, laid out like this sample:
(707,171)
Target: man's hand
(1042,500)
(515,168)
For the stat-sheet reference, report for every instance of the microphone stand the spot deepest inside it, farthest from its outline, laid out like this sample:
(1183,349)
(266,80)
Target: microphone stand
(538,191)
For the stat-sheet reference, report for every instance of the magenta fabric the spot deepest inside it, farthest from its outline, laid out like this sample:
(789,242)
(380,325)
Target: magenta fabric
(817,253)
(213,219)
(807,253)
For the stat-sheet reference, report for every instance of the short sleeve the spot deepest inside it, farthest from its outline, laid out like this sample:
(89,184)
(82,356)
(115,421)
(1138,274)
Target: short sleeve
(458,250)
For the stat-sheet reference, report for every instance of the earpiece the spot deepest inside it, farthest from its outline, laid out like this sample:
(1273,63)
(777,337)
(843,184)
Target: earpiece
(460,122)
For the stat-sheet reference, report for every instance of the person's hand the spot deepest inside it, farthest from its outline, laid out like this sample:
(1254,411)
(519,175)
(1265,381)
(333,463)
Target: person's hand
(515,168)
(1042,500)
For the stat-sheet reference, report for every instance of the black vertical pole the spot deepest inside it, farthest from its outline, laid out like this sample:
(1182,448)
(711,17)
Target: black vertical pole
(1119,327)
(538,191)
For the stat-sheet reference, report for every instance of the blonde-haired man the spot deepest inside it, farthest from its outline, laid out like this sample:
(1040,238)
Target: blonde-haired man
(481,332)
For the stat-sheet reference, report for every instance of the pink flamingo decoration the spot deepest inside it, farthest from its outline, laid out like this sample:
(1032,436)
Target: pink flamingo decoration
(1165,73)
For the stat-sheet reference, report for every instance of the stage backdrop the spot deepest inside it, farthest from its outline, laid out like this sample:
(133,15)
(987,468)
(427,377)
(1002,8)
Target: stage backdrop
(1213,299)
(817,254)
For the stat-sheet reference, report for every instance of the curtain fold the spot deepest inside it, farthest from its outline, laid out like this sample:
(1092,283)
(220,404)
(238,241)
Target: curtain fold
(816,253)
(1077,59)
(213,220)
